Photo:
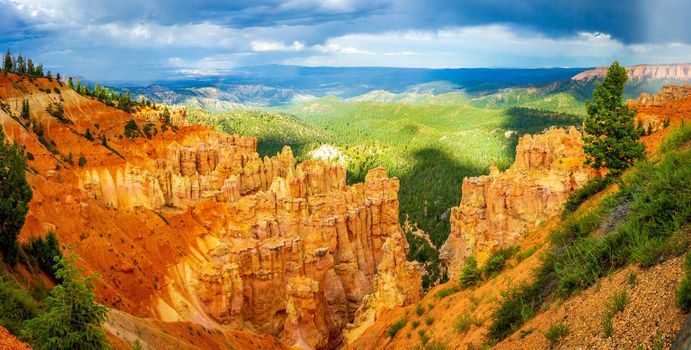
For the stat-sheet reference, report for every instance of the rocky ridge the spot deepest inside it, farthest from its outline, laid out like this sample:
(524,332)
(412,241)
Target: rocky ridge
(643,71)
(498,209)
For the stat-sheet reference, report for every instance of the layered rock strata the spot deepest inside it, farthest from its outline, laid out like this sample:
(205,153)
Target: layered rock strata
(498,209)
(288,250)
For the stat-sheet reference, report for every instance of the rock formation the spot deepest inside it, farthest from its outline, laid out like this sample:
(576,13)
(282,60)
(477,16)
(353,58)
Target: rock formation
(177,115)
(193,225)
(296,260)
(498,209)
(668,93)
(643,71)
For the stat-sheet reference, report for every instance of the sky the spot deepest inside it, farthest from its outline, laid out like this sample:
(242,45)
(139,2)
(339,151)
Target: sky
(124,40)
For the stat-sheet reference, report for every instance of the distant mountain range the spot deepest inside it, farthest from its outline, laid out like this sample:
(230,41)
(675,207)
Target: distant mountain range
(277,85)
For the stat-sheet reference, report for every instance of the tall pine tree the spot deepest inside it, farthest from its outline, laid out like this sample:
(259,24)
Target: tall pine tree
(611,138)
(8,66)
(15,195)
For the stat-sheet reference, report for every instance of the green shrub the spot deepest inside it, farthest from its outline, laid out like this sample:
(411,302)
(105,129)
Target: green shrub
(16,306)
(424,338)
(579,196)
(497,260)
(82,161)
(683,293)
(608,326)
(395,327)
(617,302)
(44,250)
(526,253)
(132,129)
(73,320)
(419,309)
(677,138)
(463,323)
(57,110)
(446,292)
(149,130)
(556,332)
(429,321)
(471,274)
(415,323)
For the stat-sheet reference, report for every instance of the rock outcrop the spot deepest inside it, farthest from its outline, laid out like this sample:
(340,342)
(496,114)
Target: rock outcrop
(496,210)
(223,168)
(296,260)
(175,115)
(668,93)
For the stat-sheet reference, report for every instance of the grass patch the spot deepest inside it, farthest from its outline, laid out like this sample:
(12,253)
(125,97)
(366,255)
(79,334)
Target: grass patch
(395,327)
(579,196)
(463,323)
(497,261)
(16,306)
(556,332)
(677,138)
(471,274)
(683,293)
(447,291)
(526,253)
(617,303)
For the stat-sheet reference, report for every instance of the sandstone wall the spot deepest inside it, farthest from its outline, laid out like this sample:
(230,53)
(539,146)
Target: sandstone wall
(498,209)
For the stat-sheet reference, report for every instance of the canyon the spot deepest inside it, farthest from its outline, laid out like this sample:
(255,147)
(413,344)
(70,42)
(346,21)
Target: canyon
(193,226)
(193,232)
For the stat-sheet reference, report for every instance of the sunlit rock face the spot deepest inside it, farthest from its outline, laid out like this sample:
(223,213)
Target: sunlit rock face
(498,209)
(289,250)
(296,260)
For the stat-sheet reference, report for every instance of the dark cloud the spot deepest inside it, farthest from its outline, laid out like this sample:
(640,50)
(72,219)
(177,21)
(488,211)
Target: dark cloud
(127,38)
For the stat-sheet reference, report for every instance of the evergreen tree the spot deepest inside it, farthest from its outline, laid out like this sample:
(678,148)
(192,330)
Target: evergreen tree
(26,114)
(611,139)
(39,70)
(15,195)
(73,320)
(8,65)
(166,115)
(49,76)
(45,250)
(30,67)
(69,82)
(58,78)
(88,135)
(20,65)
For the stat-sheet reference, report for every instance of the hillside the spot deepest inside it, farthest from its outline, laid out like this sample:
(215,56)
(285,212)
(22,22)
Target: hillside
(196,235)
(618,259)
